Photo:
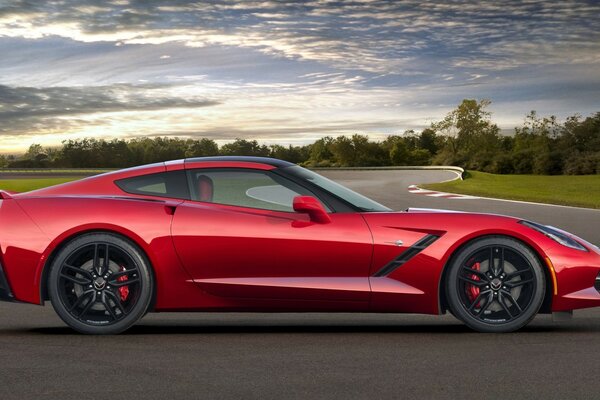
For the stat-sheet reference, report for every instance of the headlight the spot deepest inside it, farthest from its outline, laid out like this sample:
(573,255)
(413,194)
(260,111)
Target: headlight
(555,234)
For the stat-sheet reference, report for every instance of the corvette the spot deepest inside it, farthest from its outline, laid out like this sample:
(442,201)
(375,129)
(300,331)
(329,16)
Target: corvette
(264,235)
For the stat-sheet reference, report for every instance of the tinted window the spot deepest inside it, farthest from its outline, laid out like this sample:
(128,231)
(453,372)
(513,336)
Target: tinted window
(245,188)
(357,200)
(165,184)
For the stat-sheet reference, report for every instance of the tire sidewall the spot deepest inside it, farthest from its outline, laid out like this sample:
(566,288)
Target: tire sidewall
(146,286)
(452,287)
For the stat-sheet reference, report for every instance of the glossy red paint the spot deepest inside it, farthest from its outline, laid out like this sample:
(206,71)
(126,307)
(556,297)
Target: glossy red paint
(312,207)
(265,254)
(208,256)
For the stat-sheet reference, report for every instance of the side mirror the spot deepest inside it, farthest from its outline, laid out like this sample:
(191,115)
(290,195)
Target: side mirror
(313,207)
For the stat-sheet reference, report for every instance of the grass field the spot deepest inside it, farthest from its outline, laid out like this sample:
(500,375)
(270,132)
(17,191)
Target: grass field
(579,191)
(25,184)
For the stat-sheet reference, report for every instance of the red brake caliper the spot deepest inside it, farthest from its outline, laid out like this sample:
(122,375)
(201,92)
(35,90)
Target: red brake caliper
(123,290)
(472,290)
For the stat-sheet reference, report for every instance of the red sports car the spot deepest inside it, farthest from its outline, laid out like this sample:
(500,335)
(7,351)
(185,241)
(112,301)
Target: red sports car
(259,234)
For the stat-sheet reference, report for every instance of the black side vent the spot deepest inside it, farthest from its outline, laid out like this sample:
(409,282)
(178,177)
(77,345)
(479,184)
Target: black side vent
(597,283)
(406,255)
(5,293)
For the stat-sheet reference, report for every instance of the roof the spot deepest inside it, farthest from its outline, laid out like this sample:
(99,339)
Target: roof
(262,160)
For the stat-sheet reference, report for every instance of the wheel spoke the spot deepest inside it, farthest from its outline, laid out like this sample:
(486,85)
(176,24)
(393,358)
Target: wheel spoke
(80,300)
(96,264)
(114,278)
(128,282)
(471,281)
(68,267)
(105,261)
(477,300)
(81,277)
(75,279)
(501,262)
(501,301)
(109,308)
(518,283)
(116,300)
(475,272)
(489,301)
(88,306)
(491,266)
(509,296)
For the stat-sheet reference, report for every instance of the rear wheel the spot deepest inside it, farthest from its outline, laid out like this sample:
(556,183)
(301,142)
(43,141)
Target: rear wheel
(495,284)
(100,284)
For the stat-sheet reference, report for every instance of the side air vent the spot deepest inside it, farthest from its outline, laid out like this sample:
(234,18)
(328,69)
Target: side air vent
(407,254)
(597,283)
(5,293)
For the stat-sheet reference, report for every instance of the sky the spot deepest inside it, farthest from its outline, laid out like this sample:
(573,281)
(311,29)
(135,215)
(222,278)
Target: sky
(286,72)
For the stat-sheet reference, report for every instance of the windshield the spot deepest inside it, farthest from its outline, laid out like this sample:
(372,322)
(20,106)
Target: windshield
(357,200)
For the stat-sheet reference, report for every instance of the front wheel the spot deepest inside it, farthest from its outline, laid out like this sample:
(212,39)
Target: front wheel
(100,283)
(495,284)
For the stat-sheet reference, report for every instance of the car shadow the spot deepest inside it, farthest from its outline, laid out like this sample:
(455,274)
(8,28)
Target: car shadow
(195,329)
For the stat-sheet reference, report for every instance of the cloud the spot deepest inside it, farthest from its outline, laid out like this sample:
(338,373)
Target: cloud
(25,108)
(285,71)
(373,36)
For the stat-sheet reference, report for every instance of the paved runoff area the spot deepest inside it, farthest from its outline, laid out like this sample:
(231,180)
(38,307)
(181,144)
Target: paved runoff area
(314,356)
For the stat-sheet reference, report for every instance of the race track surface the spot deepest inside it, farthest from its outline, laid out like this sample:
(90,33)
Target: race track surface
(311,356)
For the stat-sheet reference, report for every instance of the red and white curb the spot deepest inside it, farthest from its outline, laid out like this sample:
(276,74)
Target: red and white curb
(414,189)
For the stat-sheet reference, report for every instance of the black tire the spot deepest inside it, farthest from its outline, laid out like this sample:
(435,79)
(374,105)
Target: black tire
(503,298)
(97,297)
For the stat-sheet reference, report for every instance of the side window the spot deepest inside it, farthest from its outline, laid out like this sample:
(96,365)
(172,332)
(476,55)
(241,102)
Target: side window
(245,188)
(165,184)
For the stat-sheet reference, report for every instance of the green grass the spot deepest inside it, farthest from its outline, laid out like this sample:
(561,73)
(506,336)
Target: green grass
(25,185)
(578,191)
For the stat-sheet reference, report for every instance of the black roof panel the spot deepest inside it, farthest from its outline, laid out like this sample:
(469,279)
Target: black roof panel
(263,160)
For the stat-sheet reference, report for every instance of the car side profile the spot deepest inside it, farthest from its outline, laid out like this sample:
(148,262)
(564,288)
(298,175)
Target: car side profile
(264,235)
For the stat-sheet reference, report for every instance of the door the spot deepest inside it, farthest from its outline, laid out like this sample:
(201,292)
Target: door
(239,237)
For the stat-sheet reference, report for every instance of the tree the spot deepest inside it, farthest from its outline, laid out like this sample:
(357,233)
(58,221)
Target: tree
(429,141)
(472,140)
(535,149)
(243,147)
(320,153)
(399,154)
(201,148)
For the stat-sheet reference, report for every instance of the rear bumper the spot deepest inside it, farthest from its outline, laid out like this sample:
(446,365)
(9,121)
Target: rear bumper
(5,292)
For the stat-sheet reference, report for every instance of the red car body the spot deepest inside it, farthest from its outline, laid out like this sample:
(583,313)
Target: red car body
(209,256)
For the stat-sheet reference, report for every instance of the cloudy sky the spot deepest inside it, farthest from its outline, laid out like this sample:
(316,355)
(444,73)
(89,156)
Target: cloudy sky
(285,71)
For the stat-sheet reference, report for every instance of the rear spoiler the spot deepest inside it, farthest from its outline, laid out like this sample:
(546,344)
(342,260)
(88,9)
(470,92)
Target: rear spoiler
(5,195)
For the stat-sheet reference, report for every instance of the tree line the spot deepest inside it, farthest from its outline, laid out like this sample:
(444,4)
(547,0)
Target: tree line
(466,137)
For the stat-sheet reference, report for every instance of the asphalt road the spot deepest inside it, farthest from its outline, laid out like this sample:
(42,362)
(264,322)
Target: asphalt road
(289,356)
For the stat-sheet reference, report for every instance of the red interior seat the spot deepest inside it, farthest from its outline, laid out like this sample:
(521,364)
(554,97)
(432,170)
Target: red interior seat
(205,188)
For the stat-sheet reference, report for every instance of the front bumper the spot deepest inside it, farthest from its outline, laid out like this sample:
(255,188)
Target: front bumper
(5,292)
(578,278)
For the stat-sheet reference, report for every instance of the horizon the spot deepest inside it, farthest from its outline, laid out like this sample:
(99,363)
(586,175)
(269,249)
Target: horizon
(285,73)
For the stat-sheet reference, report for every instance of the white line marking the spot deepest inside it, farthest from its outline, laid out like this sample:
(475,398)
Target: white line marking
(414,189)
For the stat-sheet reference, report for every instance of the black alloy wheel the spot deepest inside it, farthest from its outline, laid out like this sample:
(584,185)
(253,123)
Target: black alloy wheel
(495,284)
(100,284)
